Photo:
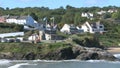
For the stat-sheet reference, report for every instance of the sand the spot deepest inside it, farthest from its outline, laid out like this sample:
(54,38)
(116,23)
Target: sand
(114,50)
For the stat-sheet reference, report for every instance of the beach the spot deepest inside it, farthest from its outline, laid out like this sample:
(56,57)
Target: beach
(114,50)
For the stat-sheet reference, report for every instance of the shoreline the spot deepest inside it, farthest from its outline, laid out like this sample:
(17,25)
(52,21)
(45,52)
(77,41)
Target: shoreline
(114,50)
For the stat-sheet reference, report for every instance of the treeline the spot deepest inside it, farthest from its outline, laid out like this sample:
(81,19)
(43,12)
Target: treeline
(62,15)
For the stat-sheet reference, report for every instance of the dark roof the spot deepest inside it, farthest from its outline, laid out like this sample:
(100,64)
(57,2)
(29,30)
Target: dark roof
(12,17)
(50,31)
(17,17)
(22,17)
(5,16)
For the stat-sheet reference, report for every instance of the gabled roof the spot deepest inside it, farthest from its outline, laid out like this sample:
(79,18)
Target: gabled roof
(12,17)
(17,17)
(22,17)
(5,16)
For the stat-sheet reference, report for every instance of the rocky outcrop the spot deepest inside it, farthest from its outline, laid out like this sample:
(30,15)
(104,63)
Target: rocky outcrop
(60,54)
(73,52)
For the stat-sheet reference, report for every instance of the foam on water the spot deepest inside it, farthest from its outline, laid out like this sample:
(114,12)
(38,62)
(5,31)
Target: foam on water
(47,61)
(117,55)
(4,62)
(96,61)
(19,65)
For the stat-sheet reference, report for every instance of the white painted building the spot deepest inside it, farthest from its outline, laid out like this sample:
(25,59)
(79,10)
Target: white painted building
(65,28)
(48,36)
(23,20)
(87,15)
(93,28)
(71,29)
(112,10)
(87,27)
(101,12)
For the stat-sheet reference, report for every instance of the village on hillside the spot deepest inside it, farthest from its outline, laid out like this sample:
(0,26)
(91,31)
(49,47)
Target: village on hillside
(48,31)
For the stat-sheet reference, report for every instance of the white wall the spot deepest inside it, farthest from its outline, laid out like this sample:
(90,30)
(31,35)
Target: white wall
(22,22)
(47,36)
(11,20)
(65,28)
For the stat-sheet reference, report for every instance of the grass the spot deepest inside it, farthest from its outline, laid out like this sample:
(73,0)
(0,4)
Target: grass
(29,47)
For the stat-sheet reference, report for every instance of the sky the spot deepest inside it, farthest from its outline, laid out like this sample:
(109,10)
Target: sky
(52,4)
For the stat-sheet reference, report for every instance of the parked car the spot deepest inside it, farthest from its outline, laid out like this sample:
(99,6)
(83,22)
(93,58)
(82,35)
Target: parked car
(17,40)
(11,40)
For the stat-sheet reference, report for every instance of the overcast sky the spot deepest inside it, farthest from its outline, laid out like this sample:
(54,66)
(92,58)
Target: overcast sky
(52,4)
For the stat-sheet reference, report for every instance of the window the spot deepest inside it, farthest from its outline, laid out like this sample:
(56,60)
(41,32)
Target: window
(101,26)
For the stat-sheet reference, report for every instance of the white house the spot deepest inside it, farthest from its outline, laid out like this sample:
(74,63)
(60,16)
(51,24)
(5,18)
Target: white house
(88,15)
(101,12)
(12,19)
(71,29)
(65,28)
(112,10)
(93,28)
(34,38)
(23,20)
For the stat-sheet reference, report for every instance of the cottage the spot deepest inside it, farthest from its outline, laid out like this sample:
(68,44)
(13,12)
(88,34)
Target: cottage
(93,28)
(87,15)
(34,38)
(101,12)
(70,29)
(23,20)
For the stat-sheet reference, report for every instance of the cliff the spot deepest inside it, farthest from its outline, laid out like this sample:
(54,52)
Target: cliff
(57,51)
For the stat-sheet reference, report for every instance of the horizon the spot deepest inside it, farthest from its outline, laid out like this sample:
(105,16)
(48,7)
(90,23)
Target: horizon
(53,4)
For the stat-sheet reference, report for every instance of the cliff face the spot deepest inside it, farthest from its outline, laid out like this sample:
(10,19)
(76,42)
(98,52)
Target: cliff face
(73,52)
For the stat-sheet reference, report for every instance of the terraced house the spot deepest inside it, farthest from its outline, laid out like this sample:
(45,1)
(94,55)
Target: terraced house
(23,20)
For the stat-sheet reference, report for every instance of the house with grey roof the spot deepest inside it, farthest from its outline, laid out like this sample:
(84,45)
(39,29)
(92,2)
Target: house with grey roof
(23,20)
(96,27)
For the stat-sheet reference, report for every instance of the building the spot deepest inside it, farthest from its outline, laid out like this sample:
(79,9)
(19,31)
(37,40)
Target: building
(101,12)
(12,37)
(93,28)
(4,35)
(70,29)
(23,20)
(50,34)
(3,18)
(87,15)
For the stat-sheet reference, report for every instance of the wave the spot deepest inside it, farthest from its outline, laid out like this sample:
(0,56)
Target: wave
(96,61)
(117,55)
(19,65)
(4,62)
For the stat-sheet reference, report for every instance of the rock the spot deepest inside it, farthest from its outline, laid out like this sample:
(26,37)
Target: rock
(17,56)
(29,56)
(60,54)
(67,53)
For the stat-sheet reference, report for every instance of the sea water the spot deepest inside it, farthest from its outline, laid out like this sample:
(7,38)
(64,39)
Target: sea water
(59,64)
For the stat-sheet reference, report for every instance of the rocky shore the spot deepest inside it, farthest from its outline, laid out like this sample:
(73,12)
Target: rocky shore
(73,52)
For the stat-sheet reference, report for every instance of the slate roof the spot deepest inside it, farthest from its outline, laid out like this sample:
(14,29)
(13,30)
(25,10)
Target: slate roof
(22,17)
(50,31)
(17,17)
(12,17)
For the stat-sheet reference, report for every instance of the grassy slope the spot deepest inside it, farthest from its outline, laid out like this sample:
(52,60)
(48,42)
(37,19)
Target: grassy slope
(29,47)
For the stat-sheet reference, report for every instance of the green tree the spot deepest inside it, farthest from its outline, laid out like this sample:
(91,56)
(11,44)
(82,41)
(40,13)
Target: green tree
(68,18)
(34,16)
(116,15)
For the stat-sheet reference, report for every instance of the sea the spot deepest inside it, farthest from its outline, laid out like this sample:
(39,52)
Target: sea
(59,64)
